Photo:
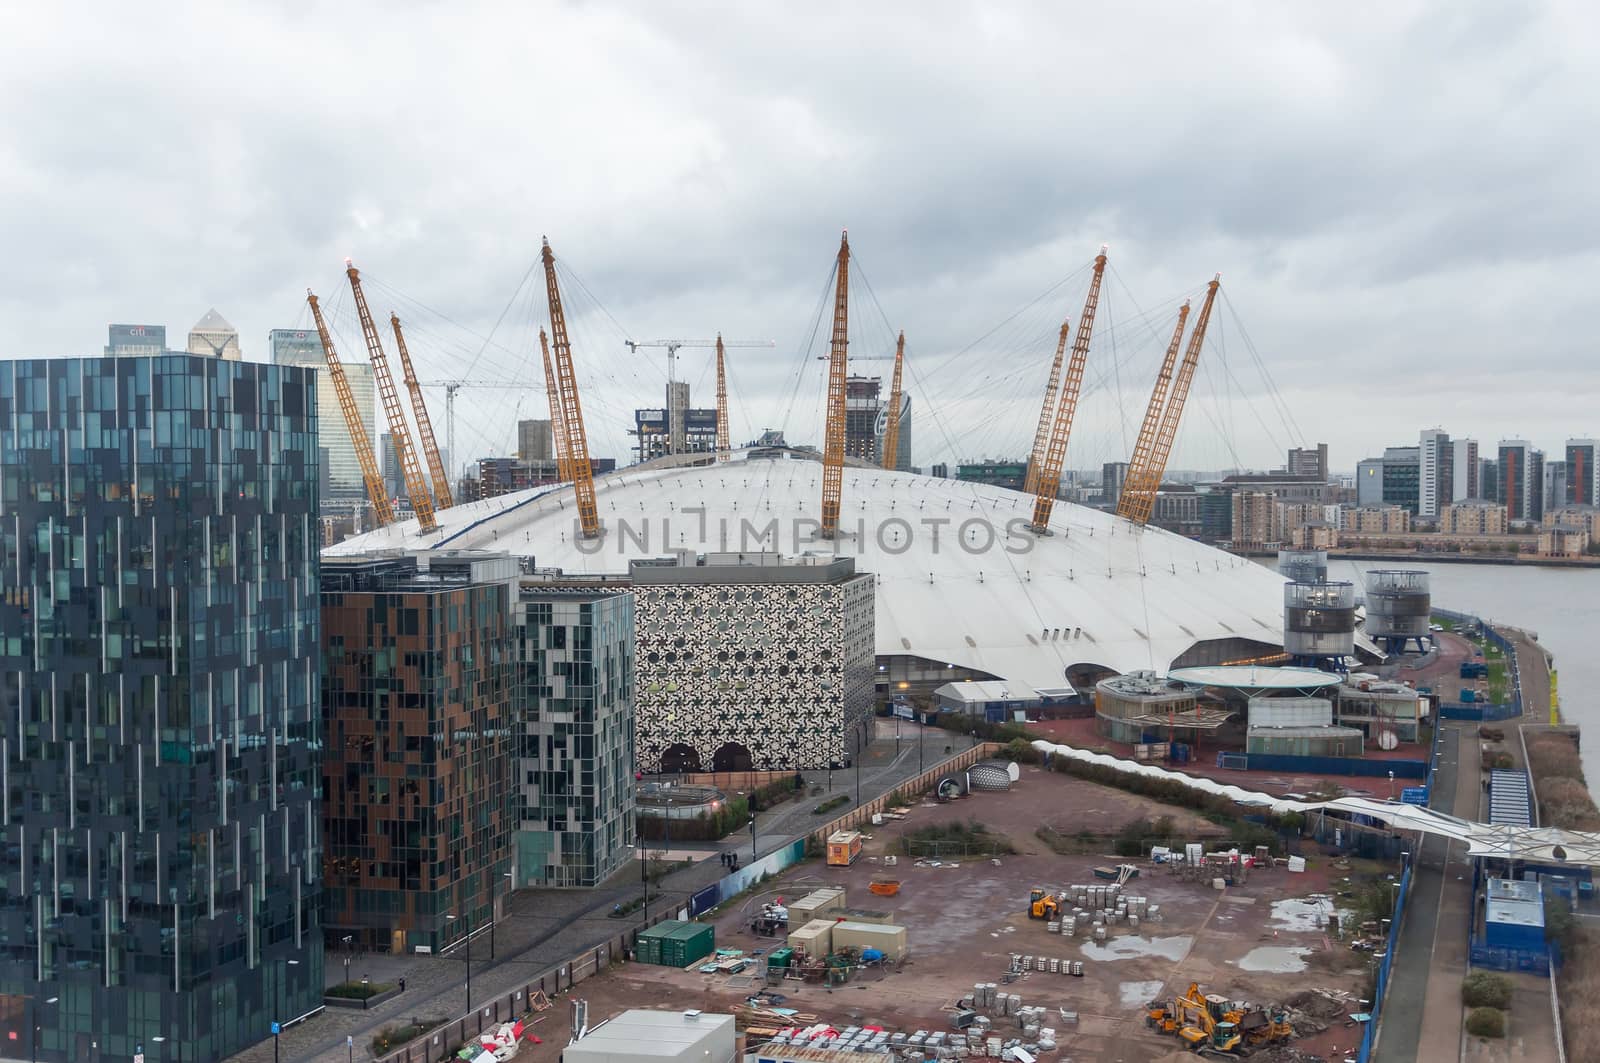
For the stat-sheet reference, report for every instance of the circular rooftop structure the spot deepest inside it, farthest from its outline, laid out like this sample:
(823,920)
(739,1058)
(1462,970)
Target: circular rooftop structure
(1250,678)
(960,580)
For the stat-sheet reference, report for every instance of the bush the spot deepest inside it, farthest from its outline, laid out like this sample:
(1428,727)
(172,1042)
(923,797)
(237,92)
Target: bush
(1485,989)
(830,804)
(774,793)
(955,839)
(1486,1022)
(393,1037)
(1020,750)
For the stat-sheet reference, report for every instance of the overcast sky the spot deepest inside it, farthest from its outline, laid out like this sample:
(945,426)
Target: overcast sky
(1400,198)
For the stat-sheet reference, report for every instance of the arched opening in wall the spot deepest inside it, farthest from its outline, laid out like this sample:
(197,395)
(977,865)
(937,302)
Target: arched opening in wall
(680,759)
(1229,651)
(732,756)
(1084,675)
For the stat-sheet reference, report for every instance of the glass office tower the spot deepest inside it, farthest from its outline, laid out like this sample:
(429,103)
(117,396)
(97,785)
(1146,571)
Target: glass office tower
(159,738)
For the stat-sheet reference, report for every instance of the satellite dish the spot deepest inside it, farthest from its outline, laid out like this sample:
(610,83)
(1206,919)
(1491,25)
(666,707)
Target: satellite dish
(1388,740)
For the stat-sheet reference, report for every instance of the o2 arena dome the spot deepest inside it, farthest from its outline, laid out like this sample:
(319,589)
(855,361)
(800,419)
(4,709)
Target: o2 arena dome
(963,588)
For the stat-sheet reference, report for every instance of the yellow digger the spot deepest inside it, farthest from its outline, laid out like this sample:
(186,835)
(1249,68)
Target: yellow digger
(1212,1025)
(1042,904)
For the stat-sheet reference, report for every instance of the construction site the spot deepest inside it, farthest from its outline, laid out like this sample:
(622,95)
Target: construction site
(1030,938)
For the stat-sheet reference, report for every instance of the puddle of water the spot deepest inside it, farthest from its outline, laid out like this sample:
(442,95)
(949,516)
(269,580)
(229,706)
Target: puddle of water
(1305,915)
(1126,948)
(1277,959)
(1137,994)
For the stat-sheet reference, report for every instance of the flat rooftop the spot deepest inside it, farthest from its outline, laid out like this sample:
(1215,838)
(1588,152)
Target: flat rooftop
(1246,677)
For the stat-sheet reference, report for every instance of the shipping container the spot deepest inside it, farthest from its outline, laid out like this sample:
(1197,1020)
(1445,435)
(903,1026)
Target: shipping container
(815,905)
(814,939)
(859,915)
(688,943)
(888,939)
(843,848)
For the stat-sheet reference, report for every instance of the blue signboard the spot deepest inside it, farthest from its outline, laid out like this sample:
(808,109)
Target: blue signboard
(1414,795)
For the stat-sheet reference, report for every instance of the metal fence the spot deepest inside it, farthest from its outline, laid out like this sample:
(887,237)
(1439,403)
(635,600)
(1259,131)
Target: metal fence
(1378,769)
(1369,1036)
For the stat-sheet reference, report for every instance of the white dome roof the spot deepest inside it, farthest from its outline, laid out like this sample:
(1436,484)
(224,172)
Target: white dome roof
(959,579)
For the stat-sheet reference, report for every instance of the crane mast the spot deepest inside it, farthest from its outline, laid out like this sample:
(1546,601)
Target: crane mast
(1130,503)
(571,408)
(891,426)
(1041,434)
(430,448)
(1049,481)
(558,424)
(722,405)
(383,511)
(833,445)
(399,434)
(1162,448)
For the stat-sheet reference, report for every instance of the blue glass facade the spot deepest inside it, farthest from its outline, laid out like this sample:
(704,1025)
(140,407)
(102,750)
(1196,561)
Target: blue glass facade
(159,726)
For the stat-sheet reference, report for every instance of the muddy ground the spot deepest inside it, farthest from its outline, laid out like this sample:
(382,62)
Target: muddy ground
(1262,941)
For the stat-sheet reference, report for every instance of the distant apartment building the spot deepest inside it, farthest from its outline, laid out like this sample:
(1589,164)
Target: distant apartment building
(1521,480)
(1177,509)
(535,441)
(159,677)
(1308,461)
(1555,486)
(1464,464)
(1012,474)
(1216,513)
(575,756)
(501,476)
(940,470)
(1583,473)
(1563,540)
(1402,477)
(343,469)
(1113,476)
(1254,520)
(1377,520)
(136,341)
(213,337)
(1369,482)
(1489,479)
(676,428)
(1473,517)
(1587,517)
(1435,473)
(721,644)
(1314,535)
(418,716)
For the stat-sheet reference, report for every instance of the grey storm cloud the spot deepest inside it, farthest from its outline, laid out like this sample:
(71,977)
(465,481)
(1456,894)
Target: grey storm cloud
(1399,202)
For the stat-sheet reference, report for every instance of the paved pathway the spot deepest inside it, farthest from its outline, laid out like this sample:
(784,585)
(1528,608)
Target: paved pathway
(544,927)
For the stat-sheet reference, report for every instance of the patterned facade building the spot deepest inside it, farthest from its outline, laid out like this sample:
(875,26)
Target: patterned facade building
(419,666)
(575,761)
(158,691)
(751,661)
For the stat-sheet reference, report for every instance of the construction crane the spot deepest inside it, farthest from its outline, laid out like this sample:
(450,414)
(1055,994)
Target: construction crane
(571,409)
(1049,481)
(558,423)
(383,511)
(1041,434)
(1130,502)
(450,389)
(419,409)
(722,405)
(833,444)
(399,434)
(891,428)
(675,429)
(1161,449)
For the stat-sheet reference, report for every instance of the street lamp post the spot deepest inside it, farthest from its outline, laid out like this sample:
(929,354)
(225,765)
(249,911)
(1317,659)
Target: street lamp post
(493,903)
(467,922)
(277,1025)
(752,839)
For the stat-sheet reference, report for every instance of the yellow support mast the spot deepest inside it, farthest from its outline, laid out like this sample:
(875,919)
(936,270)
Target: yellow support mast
(833,444)
(382,510)
(722,406)
(1132,504)
(399,434)
(442,497)
(558,424)
(891,425)
(571,408)
(1041,434)
(1049,481)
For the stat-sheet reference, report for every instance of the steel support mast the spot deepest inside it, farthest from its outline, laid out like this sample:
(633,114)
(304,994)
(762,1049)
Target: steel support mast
(1132,503)
(722,405)
(558,423)
(571,408)
(891,425)
(1041,434)
(442,497)
(833,444)
(382,510)
(1162,449)
(399,434)
(1049,481)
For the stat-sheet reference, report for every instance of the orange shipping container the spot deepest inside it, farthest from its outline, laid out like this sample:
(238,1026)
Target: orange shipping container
(843,848)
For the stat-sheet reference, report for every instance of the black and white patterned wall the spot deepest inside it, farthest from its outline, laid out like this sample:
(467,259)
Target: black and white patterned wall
(757,676)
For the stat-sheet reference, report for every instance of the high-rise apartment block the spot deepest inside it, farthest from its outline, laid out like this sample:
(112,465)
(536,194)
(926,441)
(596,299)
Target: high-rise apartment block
(575,758)
(1583,473)
(1436,473)
(1308,461)
(158,706)
(1465,483)
(302,347)
(535,441)
(1113,475)
(419,677)
(1521,479)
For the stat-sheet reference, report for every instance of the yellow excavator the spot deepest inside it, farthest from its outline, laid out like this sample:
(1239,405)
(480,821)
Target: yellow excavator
(1042,904)
(1212,1025)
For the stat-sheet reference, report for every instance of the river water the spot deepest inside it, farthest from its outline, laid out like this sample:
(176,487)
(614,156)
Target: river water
(1561,604)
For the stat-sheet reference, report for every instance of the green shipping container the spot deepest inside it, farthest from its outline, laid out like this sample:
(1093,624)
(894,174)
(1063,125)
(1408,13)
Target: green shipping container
(780,957)
(649,947)
(687,943)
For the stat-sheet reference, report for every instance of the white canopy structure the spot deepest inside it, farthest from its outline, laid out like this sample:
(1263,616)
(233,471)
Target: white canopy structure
(1541,844)
(960,579)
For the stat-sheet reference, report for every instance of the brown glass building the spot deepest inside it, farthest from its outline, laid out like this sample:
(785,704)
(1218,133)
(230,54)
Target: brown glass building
(419,666)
